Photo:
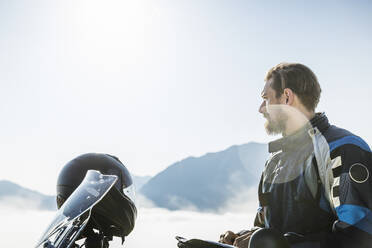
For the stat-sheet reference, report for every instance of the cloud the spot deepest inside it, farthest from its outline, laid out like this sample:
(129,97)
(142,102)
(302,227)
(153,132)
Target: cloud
(243,200)
(160,226)
(181,203)
(22,227)
(155,227)
(144,202)
(21,203)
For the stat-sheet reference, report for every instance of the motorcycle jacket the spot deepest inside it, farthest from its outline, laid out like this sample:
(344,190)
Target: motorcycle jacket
(316,187)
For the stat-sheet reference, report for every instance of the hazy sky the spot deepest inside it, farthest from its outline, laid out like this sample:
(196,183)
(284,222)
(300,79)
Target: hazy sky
(153,82)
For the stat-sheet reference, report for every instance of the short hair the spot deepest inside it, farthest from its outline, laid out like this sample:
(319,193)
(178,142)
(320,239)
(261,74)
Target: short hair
(300,79)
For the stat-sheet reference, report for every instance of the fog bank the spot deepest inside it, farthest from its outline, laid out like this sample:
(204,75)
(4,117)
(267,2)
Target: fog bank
(155,227)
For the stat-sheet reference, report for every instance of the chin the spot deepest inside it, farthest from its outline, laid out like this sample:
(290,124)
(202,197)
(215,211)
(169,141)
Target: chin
(273,128)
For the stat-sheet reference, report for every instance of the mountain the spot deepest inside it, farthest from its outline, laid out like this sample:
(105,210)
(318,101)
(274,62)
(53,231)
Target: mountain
(207,182)
(15,196)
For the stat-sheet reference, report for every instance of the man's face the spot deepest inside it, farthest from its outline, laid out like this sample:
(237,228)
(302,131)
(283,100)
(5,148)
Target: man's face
(272,110)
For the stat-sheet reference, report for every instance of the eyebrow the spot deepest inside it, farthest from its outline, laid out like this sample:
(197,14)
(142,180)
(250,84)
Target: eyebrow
(263,94)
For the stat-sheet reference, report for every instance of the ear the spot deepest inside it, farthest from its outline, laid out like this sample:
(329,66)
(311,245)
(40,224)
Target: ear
(289,96)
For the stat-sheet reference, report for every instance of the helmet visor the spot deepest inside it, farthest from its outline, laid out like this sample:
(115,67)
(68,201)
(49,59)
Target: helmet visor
(72,217)
(130,192)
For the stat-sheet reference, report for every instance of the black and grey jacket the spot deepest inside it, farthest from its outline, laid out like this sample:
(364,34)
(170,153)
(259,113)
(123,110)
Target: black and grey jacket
(317,183)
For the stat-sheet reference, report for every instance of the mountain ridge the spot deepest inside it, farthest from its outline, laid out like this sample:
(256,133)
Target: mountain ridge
(213,177)
(205,183)
(12,194)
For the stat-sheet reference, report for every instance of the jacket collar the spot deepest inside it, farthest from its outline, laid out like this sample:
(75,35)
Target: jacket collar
(300,137)
(320,121)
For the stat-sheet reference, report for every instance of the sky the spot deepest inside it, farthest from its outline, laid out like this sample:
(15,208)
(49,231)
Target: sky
(156,81)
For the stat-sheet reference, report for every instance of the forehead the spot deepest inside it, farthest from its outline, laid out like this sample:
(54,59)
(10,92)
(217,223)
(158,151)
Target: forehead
(267,90)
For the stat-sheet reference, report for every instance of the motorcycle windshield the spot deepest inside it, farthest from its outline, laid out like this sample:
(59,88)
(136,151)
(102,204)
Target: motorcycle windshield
(74,214)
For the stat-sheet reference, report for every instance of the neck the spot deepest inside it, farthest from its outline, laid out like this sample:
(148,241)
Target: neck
(297,120)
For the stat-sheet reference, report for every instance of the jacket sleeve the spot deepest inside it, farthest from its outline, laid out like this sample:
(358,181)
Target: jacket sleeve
(259,219)
(351,194)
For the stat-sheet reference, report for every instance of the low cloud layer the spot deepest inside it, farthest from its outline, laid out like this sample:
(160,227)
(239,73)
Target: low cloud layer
(158,227)
(155,227)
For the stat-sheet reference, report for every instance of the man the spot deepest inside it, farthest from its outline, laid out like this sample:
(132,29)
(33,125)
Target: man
(316,187)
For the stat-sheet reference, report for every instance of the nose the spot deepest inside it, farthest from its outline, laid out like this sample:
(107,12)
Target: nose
(262,108)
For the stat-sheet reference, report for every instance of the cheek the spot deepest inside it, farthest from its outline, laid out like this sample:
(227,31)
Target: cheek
(273,110)
(274,101)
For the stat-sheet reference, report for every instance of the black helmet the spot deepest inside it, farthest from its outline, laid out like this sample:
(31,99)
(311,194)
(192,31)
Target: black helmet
(115,214)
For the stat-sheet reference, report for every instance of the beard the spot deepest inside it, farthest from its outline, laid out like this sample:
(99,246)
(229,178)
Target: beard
(276,125)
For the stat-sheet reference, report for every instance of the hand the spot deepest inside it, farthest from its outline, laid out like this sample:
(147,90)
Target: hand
(228,238)
(243,240)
